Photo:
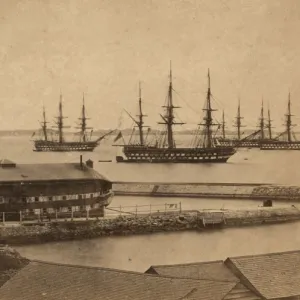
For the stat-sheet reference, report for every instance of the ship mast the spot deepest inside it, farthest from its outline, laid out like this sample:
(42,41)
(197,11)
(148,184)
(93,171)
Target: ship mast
(238,123)
(140,122)
(83,125)
(44,124)
(208,121)
(269,124)
(59,123)
(223,125)
(289,120)
(168,119)
(262,122)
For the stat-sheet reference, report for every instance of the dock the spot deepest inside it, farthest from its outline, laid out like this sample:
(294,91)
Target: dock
(250,191)
(145,223)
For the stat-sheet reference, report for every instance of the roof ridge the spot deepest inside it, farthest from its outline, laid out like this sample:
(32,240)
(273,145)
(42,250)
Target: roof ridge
(188,264)
(264,254)
(124,271)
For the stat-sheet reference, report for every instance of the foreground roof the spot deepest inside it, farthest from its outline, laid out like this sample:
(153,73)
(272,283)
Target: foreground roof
(215,270)
(42,280)
(10,263)
(49,171)
(273,275)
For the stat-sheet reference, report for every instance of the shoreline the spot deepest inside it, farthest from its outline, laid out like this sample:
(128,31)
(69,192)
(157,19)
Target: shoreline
(196,220)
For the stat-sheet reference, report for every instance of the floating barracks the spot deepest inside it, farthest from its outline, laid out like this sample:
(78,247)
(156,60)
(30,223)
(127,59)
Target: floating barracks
(255,277)
(55,190)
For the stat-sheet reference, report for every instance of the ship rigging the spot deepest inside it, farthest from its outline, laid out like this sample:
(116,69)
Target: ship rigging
(286,140)
(165,150)
(253,140)
(85,143)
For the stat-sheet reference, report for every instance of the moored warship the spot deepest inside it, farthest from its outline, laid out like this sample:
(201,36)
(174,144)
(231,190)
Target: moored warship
(287,139)
(47,142)
(255,139)
(204,149)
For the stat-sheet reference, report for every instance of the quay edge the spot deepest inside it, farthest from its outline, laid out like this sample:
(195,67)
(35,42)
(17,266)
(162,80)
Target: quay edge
(250,191)
(145,224)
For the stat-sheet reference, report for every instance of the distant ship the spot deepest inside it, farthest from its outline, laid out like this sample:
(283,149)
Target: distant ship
(255,139)
(204,147)
(286,140)
(48,142)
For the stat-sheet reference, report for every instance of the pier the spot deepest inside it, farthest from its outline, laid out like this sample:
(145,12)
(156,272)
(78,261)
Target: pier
(250,191)
(143,223)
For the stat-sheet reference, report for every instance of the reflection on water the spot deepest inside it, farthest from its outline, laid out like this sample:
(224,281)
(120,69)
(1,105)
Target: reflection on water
(138,252)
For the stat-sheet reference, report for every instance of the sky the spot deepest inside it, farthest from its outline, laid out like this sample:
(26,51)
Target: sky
(103,48)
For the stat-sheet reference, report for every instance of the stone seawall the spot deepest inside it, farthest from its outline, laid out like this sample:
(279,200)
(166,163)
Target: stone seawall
(209,190)
(145,224)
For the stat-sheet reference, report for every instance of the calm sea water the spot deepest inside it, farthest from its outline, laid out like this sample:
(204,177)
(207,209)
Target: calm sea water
(139,252)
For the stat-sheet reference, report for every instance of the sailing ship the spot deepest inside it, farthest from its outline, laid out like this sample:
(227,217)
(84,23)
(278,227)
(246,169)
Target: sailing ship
(286,140)
(50,143)
(204,146)
(255,139)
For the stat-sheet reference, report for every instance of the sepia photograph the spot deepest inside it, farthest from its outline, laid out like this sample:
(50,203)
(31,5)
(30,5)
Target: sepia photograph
(149,149)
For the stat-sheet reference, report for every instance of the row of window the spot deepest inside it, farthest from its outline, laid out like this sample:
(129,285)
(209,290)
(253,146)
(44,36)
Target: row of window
(42,198)
(62,209)
(189,157)
(142,155)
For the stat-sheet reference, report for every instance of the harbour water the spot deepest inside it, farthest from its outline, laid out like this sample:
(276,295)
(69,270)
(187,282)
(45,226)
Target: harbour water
(138,252)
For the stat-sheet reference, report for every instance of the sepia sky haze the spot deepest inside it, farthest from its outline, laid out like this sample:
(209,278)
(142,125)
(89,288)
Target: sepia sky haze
(105,47)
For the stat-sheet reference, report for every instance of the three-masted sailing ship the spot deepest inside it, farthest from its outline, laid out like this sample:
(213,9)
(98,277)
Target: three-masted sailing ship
(47,142)
(286,140)
(204,147)
(255,139)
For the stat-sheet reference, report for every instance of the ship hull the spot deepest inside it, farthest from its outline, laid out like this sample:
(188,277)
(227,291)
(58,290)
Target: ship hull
(176,155)
(49,146)
(281,146)
(237,144)
(240,144)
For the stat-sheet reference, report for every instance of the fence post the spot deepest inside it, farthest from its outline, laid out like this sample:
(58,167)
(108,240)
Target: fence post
(87,213)
(165,208)
(136,210)
(3,218)
(56,214)
(72,214)
(120,210)
(180,206)
(20,217)
(150,209)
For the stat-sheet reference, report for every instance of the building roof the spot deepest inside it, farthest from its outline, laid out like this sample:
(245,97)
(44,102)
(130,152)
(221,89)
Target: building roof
(49,171)
(41,280)
(215,270)
(274,275)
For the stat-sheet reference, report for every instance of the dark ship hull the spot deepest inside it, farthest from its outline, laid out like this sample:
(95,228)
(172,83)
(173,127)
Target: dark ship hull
(175,155)
(50,146)
(280,145)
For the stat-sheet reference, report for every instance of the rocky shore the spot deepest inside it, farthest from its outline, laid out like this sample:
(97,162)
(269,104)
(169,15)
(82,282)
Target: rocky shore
(144,224)
(10,262)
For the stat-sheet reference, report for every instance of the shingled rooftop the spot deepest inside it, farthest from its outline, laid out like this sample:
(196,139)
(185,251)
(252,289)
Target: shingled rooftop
(267,276)
(42,280)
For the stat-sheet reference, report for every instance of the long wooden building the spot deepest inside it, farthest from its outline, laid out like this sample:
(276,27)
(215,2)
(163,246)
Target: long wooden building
(54,190)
